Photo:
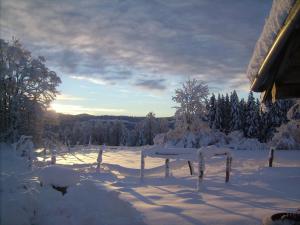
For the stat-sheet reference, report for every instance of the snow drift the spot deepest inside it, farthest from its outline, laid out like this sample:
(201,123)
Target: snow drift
(288,135)
(207,137)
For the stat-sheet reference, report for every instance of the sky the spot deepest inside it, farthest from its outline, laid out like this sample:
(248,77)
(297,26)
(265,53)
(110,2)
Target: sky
(127,57)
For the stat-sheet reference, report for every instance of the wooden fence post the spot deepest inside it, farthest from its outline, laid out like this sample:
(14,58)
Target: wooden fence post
(228,167)
(191,167)
(142,165)
(53,159)
(200,170)
(167,168)
(271,157)
(99,159)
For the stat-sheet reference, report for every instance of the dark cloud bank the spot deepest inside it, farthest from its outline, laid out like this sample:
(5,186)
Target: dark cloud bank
(124,40)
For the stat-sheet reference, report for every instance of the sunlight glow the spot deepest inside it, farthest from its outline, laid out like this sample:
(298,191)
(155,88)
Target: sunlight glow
(78,109)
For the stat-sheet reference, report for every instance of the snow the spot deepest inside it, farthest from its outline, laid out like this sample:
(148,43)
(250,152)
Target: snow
(278,14)
(159,139)
(248,144)
(185,153)
(213,150)
(116,195)
(24,201)
(206,137)
(67,176)
(288,135)
(203,137)
(87,203)
(171,152)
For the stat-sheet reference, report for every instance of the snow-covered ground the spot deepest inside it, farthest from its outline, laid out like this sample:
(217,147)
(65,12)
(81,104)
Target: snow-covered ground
(118,196)
(25,202)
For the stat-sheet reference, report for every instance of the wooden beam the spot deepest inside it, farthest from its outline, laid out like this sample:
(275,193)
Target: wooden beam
(267,73)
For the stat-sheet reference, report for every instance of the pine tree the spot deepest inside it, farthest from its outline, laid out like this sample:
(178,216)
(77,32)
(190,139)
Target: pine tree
(278,111)
(235,112)
(212,110)
(243,106)
(266,129)
(251,117)
(273,116)
(117,133)
(226,114)
(219,115)
(150,128)
(222,107)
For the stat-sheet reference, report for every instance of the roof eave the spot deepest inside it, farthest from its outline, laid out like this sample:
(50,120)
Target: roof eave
(264,79)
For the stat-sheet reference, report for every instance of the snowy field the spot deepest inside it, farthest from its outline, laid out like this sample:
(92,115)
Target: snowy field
(116,195)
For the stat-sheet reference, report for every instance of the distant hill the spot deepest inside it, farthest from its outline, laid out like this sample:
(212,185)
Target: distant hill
(128,121)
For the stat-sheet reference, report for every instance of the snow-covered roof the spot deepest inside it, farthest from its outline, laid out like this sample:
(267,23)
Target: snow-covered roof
(277,17)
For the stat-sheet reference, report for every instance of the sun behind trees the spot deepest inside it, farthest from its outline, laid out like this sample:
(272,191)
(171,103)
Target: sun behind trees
(27,88)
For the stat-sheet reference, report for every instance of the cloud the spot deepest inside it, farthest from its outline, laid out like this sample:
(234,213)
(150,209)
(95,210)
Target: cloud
(78,109)
(151,84)
(119,40)
(66,97)
(240,83)
(90,79)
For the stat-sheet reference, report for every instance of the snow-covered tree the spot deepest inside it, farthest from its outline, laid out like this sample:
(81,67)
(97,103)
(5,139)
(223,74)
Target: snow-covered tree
(219,115)
(251,117)
(243,109)
(278,111)
(247,116)
(192,100)
(140,137)
(27,88)
(288,134)
(150,128)
(163,125)
(117,133)
(266,128)
(235,122)
(226,114)
(212,110)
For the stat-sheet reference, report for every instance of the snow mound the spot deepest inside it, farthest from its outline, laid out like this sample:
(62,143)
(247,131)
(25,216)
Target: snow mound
(58,176)
(294,111)
(288,136)
(213,150)
(197,139)
(236,140)
(251,144)
(159,139)
(208,137)
(278,14)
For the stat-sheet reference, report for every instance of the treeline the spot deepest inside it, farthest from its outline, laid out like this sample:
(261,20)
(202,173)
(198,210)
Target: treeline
(86,129)
(226,113)
(229,113)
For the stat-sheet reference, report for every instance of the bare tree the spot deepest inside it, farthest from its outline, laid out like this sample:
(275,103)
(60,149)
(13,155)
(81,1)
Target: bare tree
(192,100)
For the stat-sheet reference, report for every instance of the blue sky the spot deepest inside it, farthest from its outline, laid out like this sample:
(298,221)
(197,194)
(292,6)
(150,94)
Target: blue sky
(126,57)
